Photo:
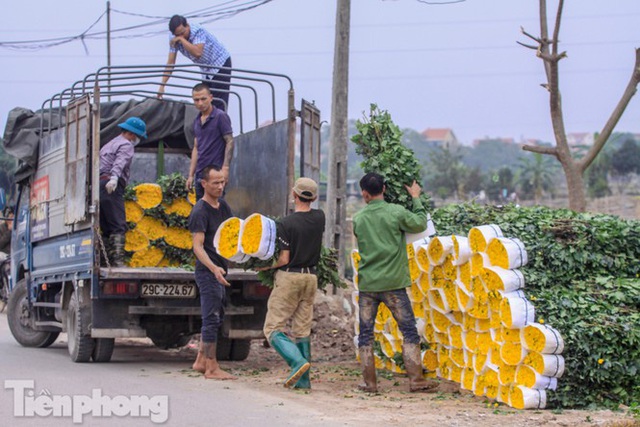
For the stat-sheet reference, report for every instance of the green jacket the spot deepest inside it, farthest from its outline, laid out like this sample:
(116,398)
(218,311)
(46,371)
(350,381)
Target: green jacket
(380,230)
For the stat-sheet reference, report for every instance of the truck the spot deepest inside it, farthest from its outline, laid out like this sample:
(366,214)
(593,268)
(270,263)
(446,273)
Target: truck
(58,282)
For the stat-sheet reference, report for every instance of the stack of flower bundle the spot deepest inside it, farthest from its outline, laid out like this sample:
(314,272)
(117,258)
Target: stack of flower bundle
(157,217)
(476,323)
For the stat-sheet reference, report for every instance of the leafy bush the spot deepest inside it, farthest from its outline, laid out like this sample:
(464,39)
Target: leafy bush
(583,272)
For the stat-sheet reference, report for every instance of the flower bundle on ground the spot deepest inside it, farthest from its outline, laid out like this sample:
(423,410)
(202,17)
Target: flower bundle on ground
(477,318)
(157,216)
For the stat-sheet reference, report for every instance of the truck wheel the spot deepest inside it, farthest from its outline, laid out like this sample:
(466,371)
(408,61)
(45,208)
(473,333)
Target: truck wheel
(223,348)
(240,349)
(102,349)
(18,317)
(80,346)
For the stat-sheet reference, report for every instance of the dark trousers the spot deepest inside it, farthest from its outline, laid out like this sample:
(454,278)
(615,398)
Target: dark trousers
(212,301)
(400,306)
(112,216)
(219,84)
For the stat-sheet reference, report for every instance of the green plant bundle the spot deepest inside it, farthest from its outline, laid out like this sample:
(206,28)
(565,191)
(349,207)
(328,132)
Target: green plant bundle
(379,142)
(583,272)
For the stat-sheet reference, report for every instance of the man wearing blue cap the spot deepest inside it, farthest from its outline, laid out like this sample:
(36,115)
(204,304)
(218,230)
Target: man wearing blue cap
(115,161)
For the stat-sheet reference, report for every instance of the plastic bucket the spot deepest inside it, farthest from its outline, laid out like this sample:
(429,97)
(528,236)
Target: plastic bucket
(542,339)
(500,279)
(516,312)
(438,249)
(461,249)
(528,377)
(521,397)
(550,365)
(227,240)
(480,236)
(507,253)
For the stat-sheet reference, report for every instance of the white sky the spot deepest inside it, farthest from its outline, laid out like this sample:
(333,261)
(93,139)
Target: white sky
(455,65)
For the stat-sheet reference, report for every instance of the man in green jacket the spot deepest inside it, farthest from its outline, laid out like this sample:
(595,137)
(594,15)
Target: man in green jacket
(383,276)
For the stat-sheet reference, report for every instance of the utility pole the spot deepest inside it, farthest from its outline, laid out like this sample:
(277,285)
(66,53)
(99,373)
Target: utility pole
(109,49)
(336,210)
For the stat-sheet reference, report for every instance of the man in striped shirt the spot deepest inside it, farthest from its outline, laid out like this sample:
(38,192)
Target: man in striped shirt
(202,48)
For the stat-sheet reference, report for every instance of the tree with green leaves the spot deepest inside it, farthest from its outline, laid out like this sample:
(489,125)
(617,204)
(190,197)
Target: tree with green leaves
(446,172)
(536,174)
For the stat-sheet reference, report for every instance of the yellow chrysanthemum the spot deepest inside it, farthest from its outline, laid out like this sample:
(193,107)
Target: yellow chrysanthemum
(191,197)
(151,227)
(229,237)
(134,241)
(133,212)
(178,237)
(252,234)
(148,195)
(180,207)
(149,257)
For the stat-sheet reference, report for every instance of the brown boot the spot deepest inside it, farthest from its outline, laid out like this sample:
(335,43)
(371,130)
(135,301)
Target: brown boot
(212,368)
(413,365)
(200,363)
(368,370)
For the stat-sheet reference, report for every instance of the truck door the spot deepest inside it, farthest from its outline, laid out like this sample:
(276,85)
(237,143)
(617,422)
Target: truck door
(78,166)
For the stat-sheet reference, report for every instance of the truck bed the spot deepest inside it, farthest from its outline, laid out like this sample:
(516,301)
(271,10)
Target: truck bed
(167,274)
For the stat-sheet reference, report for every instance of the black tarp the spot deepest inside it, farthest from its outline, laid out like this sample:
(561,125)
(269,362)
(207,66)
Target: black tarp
(164,119)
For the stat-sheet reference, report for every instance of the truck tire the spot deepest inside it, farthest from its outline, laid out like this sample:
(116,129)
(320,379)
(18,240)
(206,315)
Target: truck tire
(102,349)
(80,346)
(18,319)
(223,348)
(240,349)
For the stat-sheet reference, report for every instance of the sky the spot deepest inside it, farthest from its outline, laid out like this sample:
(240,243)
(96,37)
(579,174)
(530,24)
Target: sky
(451,65)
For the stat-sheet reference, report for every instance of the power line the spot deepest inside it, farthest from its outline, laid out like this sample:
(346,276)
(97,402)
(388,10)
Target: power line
(224,10)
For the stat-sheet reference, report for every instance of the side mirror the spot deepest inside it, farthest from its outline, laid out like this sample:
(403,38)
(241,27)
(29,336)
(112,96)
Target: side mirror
(3,199)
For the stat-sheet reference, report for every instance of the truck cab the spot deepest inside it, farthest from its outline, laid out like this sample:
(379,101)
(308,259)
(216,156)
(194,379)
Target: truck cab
(58,281)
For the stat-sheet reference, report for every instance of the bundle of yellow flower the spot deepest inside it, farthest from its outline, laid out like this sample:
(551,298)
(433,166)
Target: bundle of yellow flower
(151,227)
(439,247)
(470,340)
(542,339)
(498,278)
(424,283)
(355,260)
(465,300)
(180,207)
(510,335)
(521,397)
(506,373)
(455,333)
(484,342)
(437,276)
(227,240)
(528,377)
(166,262)
(148,195)
(439,321)
(449,290)
(258,236)
(148,257)
(422,257)
(191,196)
(480,308)
(550,365)
(479,237)
(464,273)
(477,262)
(516,312)
(507,253)
(411,252)
(503,394)
(437,301)
(179,238)
(414,270)
(461,249)
(134,241)
(491,383)
(512,353)
(133,212)
(458,356)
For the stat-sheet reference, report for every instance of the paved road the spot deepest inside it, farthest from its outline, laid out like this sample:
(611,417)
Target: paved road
(39,380)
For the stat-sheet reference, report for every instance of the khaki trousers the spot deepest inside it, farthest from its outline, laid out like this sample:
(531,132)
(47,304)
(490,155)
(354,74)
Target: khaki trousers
(291,299)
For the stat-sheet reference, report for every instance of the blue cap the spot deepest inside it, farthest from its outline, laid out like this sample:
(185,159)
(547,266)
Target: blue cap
(135,125)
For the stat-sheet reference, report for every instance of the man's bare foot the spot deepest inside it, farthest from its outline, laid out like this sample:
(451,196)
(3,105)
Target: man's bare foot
(218,374)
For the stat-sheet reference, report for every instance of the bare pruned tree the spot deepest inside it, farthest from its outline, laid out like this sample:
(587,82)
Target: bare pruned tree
(574,167)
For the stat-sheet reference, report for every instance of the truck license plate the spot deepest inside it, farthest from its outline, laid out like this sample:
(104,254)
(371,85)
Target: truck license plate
(168,290)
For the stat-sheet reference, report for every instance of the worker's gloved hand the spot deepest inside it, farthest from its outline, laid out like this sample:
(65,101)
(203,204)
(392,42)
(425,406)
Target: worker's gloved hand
(112,184)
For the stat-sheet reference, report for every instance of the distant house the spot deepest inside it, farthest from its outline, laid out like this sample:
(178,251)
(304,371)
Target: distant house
(576,139)
(442,137)
(486,139)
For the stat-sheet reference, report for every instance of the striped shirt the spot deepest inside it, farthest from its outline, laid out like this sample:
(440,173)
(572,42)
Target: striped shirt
(214,53)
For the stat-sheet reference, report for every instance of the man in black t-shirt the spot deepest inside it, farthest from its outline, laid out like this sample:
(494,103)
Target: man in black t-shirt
(206,216)
(295,286)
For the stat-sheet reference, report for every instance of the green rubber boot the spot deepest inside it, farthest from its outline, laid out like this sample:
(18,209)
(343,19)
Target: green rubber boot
(290,353)
(304,345)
